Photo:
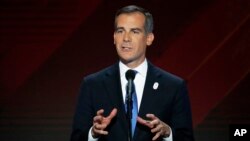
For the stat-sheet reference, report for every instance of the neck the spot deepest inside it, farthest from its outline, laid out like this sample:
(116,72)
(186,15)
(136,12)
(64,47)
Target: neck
(133,64)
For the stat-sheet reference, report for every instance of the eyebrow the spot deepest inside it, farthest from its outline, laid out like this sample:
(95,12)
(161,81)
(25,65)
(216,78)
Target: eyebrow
(117,28)
(132,29)
(138,29)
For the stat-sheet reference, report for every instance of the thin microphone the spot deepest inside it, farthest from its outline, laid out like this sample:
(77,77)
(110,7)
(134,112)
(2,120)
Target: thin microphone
(130,76)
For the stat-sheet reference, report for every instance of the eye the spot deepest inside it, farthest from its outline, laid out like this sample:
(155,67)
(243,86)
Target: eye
(119,31)
(136,31)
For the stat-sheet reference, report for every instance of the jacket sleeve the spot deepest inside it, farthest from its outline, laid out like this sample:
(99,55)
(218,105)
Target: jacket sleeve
(84,114)
(181,118)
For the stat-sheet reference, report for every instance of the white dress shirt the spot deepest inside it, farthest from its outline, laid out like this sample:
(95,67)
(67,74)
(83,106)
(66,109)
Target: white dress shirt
(139,82)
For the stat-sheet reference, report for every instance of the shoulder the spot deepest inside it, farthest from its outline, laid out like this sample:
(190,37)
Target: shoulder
(166,76)
(169,81)
(102,73)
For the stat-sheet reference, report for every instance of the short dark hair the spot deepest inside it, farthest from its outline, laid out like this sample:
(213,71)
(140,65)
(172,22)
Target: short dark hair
(148,25)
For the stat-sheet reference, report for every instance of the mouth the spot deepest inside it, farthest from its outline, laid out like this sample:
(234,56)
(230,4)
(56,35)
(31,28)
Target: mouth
(126,47)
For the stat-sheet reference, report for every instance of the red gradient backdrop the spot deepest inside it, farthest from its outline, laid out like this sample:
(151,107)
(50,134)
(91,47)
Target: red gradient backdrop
(47,46)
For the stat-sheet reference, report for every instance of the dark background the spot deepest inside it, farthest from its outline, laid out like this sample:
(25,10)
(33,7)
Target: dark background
(47,46)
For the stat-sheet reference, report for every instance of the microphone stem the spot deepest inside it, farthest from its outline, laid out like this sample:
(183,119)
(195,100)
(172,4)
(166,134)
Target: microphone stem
(129,108)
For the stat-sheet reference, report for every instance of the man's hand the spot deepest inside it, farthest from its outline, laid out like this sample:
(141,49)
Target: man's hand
(100,122)
(158,127)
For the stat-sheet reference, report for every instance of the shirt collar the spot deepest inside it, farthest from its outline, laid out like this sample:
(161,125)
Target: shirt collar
(141,69)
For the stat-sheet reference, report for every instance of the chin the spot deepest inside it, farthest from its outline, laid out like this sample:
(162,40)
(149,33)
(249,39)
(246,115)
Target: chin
(126,61)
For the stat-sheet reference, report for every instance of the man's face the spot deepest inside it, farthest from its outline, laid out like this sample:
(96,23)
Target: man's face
(131,39)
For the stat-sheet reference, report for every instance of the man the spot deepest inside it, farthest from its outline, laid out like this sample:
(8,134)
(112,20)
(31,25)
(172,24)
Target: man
(162,99)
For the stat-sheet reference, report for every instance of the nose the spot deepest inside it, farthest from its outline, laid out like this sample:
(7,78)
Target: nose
(126,37)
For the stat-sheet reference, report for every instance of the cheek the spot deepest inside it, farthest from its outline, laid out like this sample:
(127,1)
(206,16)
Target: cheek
(117,47)
(117,41)
(116,38)
(141,44)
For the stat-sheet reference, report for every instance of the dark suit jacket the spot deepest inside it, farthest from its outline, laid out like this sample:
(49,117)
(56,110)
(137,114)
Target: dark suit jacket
(102,90)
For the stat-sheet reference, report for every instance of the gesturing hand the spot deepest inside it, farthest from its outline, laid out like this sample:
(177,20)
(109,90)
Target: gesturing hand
(156,125)
(100,122)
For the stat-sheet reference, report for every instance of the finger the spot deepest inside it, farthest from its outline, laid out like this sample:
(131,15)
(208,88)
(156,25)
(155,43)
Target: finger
(100,112)
(103,132)
(151,116)
(156,129)
(97,119)
(112,114)
(99,132)
(155,122)
(144,122)
(100,126)
(157,135)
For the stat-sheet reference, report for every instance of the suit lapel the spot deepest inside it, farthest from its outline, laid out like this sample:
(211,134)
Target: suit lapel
(148,92)
(112,83)
(147,99)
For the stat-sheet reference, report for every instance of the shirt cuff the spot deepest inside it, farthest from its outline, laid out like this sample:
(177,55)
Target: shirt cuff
(170,137)
(90,137)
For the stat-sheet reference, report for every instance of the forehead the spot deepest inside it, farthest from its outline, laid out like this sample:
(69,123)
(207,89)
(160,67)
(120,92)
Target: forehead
(134,18)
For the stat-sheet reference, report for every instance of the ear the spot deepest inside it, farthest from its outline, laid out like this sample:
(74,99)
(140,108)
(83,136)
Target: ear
(150,39)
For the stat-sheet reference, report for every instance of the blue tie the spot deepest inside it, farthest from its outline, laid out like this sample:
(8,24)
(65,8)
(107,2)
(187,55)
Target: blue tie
(134,108)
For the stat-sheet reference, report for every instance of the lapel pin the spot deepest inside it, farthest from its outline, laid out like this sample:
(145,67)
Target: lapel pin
(155,86)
